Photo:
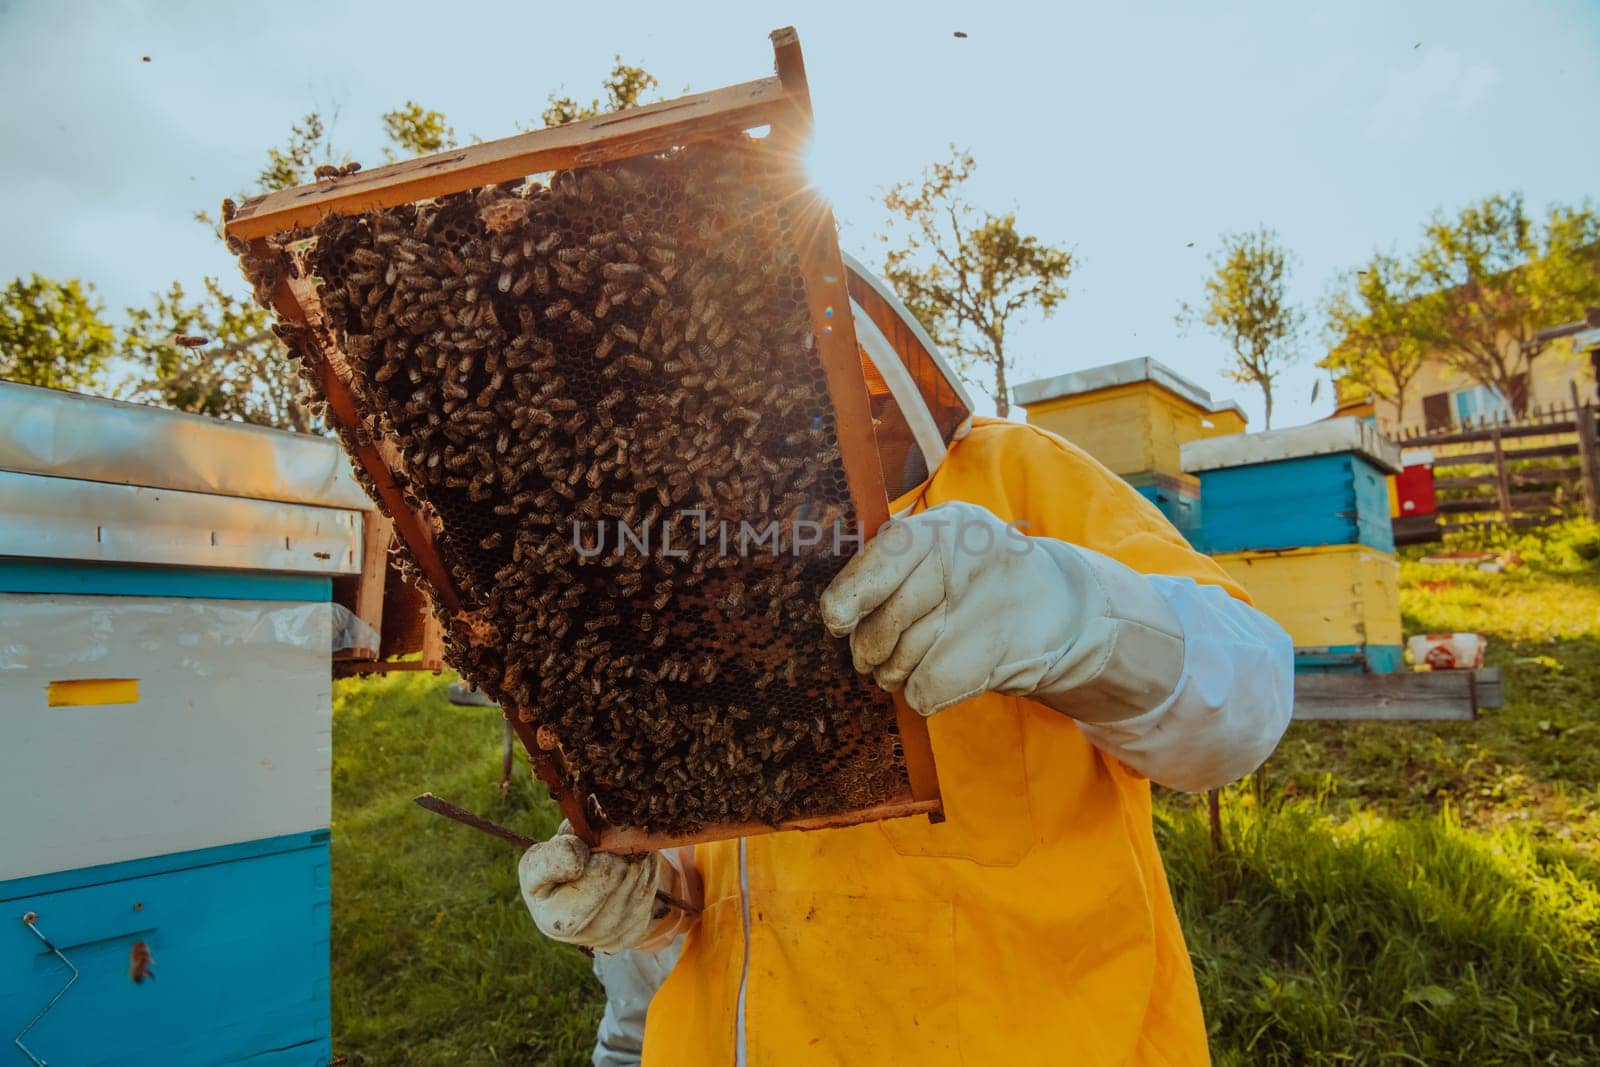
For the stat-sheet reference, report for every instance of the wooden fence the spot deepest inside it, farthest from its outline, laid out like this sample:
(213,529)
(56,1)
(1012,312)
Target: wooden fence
(1525,471)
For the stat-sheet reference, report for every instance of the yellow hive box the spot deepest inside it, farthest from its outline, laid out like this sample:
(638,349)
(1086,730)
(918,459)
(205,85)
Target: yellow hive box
(1132,416)
(1330,596)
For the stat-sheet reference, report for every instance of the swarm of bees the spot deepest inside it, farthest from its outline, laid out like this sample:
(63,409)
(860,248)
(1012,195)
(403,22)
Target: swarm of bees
(627,347)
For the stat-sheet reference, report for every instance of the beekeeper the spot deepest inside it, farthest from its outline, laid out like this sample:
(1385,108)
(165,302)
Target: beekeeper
(1069,648)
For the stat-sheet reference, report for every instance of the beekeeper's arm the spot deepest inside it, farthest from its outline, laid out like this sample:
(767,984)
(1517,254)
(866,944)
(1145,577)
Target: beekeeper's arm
(1182,682)
(605,902)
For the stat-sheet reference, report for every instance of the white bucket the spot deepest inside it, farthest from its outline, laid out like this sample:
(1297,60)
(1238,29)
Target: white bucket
(1444,652)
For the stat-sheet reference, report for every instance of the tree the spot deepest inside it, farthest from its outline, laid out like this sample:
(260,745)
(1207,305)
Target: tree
(53,334)
(1373,318)
(625,87)
(244,374)
(966,274)
(1498,278)
(309,144)
(1247,305)
(416,131)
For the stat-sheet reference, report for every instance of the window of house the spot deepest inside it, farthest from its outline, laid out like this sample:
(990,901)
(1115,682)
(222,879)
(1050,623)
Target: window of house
(1478,402)
(1436,411)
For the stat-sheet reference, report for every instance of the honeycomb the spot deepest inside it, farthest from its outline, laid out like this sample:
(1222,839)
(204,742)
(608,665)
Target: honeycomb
(566,365)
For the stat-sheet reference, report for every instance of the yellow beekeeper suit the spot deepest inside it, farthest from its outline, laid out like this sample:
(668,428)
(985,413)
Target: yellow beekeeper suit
(1033,925)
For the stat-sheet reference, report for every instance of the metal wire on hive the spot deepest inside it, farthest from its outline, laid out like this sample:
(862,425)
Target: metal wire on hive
(604,380)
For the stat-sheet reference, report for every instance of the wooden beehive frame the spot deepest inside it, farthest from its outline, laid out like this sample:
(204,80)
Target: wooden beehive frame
(783,104)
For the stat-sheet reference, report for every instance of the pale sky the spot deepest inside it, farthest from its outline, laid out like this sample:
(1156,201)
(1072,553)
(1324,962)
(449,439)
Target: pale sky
(1122,132)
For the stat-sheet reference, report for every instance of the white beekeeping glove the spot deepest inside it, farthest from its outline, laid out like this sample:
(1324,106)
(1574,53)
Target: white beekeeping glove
(951,602)
(604,902)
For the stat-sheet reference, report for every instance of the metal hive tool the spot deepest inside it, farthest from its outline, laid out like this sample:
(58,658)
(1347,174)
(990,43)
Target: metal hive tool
(531,344)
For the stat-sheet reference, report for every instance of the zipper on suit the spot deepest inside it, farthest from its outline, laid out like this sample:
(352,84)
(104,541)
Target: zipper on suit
(739,1032)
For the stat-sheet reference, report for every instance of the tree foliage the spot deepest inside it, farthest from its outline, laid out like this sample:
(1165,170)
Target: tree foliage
(1247,305)
(625,87)
(416,131)
(245,373)
(1374,319)
(310,143)
(966,274)
(53,334)
(1497,278)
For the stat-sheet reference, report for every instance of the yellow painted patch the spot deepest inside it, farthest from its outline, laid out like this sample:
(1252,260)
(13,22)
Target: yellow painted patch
(80,692)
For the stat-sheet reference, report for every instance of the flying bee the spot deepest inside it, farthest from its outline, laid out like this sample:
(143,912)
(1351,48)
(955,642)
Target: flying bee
(190,341)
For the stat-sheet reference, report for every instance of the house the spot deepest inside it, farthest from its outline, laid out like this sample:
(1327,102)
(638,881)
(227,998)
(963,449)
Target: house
(1440,397)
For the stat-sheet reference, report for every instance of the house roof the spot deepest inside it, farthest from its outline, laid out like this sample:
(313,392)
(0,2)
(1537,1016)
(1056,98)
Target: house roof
(1585,331)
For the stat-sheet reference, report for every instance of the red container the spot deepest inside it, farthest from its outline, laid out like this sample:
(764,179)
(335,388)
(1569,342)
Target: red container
(1414,488)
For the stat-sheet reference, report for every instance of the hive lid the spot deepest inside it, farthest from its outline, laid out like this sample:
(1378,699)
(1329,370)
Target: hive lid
(1110,375)
(69,435)
(1329,437)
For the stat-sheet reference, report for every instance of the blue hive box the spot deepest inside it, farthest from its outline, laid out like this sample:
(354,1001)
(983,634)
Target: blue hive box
(1178,498)
(166,632)
(1323,484)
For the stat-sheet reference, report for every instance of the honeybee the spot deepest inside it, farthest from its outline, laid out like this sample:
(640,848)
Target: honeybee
(189,340)
(334,171)
(140,963)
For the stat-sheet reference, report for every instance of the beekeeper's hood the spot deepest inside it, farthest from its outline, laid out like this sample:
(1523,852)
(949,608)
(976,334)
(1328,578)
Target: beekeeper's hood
(918,403)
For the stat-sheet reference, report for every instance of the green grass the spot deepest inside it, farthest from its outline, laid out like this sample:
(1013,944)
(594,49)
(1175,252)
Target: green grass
(1372,940)
(435,960)
(1534,763)
(1405,894)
